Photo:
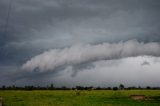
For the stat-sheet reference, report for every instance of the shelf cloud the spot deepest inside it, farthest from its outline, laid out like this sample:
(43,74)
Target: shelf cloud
(49,60)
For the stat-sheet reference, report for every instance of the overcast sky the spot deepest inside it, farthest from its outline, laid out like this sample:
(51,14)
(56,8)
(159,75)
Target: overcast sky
(80,42)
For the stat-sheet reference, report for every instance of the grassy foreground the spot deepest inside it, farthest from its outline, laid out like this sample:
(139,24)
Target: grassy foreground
(79,98)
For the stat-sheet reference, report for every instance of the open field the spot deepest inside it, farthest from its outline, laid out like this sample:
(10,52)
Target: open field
(80,98)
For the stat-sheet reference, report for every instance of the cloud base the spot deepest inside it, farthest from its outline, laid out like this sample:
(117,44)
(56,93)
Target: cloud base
(52,59)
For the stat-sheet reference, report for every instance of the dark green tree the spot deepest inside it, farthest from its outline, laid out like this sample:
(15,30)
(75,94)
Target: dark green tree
(121,86)
(115,88)
(52,87)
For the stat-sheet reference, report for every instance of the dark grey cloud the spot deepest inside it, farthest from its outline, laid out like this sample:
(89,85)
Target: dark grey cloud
(145,63)
(37,26)
(99,17)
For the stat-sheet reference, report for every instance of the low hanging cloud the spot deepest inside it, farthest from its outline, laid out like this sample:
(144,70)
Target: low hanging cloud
(78,54)
(145,63)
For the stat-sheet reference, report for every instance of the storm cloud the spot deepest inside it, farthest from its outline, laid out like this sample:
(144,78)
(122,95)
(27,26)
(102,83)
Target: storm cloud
(52,59)
(37,26)
(45,39)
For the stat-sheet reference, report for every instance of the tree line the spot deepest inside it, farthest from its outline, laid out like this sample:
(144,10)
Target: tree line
(52,87)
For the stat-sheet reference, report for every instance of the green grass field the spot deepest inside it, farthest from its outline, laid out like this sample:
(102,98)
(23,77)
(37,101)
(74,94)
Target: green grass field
(79,98)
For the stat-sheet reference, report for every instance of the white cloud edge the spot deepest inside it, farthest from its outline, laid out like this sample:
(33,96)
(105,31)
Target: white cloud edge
(77,54)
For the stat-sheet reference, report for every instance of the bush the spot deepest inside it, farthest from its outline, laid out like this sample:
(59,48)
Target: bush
(115,88)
